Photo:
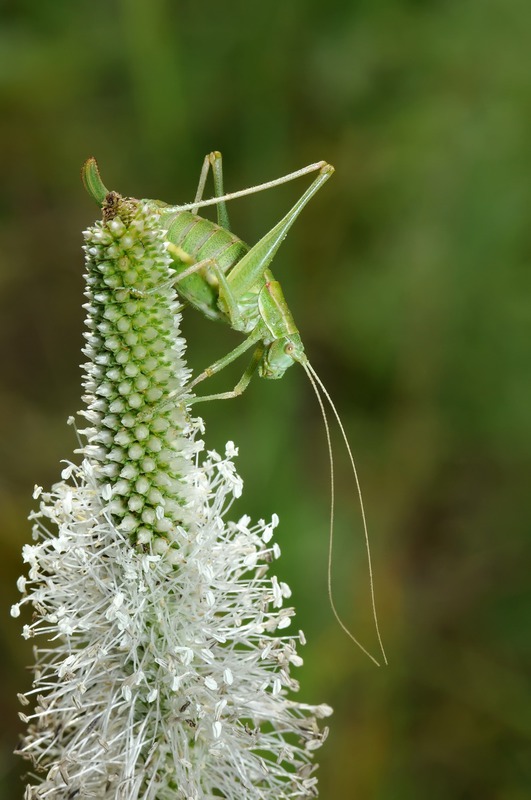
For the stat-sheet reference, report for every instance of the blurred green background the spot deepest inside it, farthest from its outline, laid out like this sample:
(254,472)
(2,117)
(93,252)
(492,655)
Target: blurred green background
(409,277)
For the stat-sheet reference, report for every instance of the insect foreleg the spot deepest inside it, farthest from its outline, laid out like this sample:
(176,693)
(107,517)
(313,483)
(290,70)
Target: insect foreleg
(252,339)
(213,160)
(217,366)
(242,384)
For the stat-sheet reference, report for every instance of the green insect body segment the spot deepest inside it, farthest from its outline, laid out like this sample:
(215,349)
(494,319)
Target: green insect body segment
(202,239)
(275,311)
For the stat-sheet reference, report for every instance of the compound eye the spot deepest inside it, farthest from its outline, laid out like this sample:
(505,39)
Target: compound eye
(289,349)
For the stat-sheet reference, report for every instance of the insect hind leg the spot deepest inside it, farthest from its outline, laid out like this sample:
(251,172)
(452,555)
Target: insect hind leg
(220,199)
(213,160)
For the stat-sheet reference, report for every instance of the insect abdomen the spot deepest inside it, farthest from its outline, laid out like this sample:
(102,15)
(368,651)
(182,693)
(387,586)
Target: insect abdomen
(200,238)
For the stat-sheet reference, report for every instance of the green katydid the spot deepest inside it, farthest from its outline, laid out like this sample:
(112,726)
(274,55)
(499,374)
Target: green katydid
(226,280)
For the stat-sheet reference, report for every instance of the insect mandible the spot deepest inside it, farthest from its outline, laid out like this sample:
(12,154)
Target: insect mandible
(218,274)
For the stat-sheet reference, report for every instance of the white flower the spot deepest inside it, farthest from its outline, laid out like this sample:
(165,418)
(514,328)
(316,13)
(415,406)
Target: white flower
(160,671)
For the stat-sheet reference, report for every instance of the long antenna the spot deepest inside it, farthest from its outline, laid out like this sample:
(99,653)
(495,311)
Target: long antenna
(317,382)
